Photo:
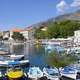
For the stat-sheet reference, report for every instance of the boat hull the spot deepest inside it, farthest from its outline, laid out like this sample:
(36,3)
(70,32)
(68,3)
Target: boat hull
(15,75)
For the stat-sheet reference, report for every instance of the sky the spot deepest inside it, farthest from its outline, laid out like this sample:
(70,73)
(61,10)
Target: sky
(24,13)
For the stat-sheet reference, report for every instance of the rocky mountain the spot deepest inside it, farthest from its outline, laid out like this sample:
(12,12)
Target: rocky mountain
(68,16)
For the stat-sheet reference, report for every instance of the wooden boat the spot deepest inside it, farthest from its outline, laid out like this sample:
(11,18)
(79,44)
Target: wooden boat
(15,57)
(8,63)
(35,73)
(12,57)
(69,72)
(4,51)
(51,73)
(15,74)
(57,48)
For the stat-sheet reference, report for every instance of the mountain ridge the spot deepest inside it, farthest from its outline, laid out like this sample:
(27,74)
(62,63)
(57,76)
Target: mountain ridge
(68,16)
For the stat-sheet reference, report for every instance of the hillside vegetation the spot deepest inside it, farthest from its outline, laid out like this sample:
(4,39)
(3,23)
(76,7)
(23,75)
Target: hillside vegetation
(57,29)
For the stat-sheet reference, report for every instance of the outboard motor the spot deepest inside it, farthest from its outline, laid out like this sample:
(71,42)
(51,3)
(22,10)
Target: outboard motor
(78,76)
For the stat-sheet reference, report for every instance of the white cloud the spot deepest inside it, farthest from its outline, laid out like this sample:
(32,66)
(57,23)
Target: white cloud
(62,6)
(75,3)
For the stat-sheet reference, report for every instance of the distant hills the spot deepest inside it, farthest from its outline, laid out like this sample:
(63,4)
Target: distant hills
(62,26)
(68,16)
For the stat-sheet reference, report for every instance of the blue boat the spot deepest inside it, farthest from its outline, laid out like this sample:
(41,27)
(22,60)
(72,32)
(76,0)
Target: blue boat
(9,63)
(12,57)
(51,73)
(35,73)
(69,72)
(56,48)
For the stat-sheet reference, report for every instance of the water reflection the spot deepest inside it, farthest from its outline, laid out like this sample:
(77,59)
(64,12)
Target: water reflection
(35,54)
(18,49)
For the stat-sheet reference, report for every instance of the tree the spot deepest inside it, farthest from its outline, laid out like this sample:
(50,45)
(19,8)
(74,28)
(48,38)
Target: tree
(17,36)
(58,29)
(57,60)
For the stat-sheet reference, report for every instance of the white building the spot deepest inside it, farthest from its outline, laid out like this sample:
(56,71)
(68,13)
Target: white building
(28,33)
(62,41)
(77,37)
(10,35)
(5,34)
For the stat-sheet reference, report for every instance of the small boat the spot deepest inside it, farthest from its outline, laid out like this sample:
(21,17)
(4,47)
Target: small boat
(9,63)
(56,48)
(51,73)
(16,57)
(4,51)
(2,73)
(48,47)
(78,76)
(12,57)
(35,73)
(69,72)
(15,74)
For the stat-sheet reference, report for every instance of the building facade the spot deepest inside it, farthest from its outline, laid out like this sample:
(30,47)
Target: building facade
(77,37)
(28,33)
(6,34)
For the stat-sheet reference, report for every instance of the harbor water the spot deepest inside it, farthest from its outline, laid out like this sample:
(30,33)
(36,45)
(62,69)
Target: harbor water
(34,53)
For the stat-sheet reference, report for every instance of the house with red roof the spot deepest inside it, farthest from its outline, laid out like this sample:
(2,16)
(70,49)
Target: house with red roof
(28,33)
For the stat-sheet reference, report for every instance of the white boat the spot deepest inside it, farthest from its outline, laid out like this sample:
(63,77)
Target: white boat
(16,57)
(12,57)
(8,63)
(51,73)
(48,47)
(69,72)
(4,51)
(56,48)
(35,73)
(2,73)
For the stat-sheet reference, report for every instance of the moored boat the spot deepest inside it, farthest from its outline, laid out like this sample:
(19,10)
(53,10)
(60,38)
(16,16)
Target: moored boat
(4,51)
(69,72)
(8,63)
(57,48)
(11,57)
(15,74)
(51,73)
(35,73)
(16,57)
